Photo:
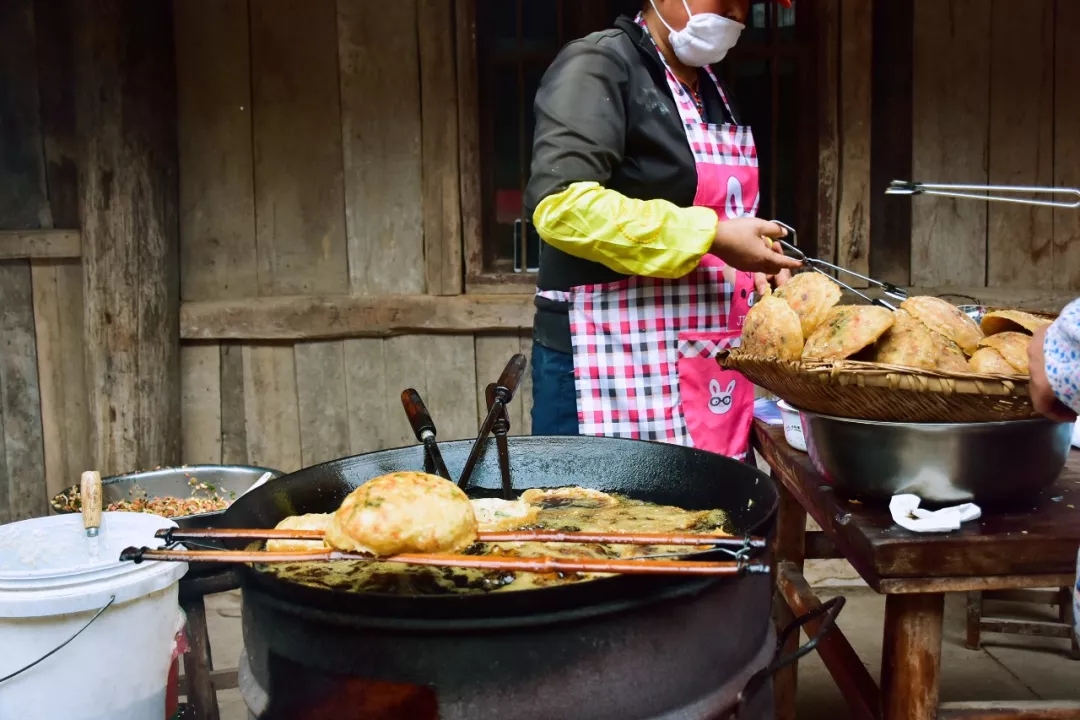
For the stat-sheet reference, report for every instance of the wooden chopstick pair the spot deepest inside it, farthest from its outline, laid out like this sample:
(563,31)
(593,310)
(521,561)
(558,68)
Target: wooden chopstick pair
(539,565)
(541,536)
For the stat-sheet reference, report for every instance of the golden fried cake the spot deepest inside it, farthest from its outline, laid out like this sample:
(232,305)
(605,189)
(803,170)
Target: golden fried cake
(847,330)
(950,357)
(1001,321)
(582,497)
(312,521)
(989,361)
(772,329)
(495,515)
(947,319)
(404,512)
(908,343)
(1012,346)
(811,295)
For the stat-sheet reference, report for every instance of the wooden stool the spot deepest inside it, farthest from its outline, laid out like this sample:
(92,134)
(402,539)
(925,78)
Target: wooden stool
(201,682)
(1062,628)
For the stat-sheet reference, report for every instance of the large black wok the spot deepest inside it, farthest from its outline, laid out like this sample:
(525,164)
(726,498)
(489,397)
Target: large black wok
(653,472)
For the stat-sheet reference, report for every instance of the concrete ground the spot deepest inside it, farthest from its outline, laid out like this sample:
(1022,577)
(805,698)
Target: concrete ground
(1007,668)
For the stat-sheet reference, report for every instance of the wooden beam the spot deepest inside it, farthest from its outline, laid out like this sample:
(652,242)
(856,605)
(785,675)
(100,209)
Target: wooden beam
(39,244)
(922,586)
(856,55)
(468,77)
(441,177)
(1011,710)
(827,21)
(850,674)
(890,140)
(23,204)
(126,110)
(315,317)
(343,316)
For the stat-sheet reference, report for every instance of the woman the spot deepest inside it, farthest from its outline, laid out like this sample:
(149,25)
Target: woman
(644,188)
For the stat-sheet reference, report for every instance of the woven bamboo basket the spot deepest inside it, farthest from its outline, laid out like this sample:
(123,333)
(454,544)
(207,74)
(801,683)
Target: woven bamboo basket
(887,393)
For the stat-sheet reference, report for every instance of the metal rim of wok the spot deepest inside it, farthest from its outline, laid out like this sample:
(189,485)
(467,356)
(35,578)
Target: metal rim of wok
(655,472)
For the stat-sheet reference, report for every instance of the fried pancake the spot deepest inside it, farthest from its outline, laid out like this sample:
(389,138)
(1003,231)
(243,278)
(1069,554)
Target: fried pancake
(313,521)
(847,330)
(950,357)
(404,512)
(495,515)
(579,496)
(908,343)
(947,319)
(811,295)
(772,329)
(1012,346)
(989,361)
(1001,321)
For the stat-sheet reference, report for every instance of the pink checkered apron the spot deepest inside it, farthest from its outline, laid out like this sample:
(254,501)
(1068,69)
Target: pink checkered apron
(644,348)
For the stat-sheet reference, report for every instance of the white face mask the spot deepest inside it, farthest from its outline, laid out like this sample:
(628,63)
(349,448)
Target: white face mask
(705,40)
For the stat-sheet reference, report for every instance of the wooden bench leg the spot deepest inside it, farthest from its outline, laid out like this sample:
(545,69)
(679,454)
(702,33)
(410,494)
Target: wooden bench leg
(911,656)
(974,620)
(197,662)
(790,547)
(1065,615)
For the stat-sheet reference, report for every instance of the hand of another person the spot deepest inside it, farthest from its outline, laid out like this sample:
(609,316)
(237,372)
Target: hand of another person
(744,244)
(1042,395)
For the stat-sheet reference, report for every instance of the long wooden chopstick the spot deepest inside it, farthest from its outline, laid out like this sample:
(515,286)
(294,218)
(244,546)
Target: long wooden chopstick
(511,564)
(541,536)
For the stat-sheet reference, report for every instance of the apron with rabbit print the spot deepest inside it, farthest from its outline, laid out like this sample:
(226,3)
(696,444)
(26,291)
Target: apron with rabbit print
(645,349)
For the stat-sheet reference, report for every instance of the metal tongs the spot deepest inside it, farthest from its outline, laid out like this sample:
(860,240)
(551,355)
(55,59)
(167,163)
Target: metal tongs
(971,192)
(888,289)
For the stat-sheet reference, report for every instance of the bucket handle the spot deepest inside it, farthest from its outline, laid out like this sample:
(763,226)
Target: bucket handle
(828,611)
(58,648)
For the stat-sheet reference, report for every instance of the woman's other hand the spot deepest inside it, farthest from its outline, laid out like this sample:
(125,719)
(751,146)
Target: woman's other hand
(1042,395)
(745,244)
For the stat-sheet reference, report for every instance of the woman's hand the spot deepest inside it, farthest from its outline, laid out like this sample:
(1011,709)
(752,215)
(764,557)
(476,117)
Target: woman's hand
(744,243)
(1042,395)
(764,284)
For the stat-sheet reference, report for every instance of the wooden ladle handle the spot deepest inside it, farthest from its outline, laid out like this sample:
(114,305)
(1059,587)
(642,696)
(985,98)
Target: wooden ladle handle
(417,412)
(90,491)
(507,384)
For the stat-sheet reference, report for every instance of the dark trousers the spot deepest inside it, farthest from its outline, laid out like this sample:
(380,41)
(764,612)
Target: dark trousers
(554,409)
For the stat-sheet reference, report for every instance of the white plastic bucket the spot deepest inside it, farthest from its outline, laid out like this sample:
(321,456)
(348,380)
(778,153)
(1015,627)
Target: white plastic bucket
(793,431)
(117,668)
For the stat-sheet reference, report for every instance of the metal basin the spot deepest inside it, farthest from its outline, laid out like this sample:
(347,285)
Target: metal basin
(230,480)
(985,463)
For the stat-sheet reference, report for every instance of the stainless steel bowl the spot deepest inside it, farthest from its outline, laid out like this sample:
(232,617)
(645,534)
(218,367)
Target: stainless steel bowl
(986,463)
(229,481)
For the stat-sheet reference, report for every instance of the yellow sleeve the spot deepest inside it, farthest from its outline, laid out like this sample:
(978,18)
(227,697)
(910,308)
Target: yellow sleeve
(654,238)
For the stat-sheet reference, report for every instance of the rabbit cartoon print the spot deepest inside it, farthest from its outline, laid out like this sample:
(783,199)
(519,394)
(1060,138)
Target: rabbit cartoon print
(717,405)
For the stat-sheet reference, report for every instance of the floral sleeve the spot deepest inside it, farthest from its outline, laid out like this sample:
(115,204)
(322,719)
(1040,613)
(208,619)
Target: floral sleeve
(1062,352)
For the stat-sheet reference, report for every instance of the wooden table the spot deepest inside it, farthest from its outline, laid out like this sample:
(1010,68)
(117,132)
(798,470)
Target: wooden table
(1029,547)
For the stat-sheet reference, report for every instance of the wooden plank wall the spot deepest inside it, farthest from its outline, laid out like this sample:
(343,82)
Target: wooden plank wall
(307,168)
(43,417)
(987,97)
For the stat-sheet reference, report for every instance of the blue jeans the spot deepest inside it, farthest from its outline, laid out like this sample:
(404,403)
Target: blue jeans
(554,410)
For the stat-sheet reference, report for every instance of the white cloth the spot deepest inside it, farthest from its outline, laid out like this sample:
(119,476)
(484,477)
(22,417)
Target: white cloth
(906,513)
(1076,435)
